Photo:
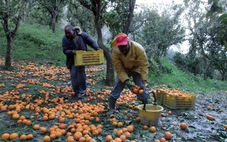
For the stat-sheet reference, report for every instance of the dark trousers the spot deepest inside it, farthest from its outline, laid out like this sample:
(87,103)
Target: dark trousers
(78,79)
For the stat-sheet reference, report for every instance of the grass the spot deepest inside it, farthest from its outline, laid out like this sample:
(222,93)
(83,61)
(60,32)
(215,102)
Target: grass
(35,43)
(38,43)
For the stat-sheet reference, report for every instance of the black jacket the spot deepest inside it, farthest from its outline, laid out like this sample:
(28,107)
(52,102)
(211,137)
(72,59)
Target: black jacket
(82,40)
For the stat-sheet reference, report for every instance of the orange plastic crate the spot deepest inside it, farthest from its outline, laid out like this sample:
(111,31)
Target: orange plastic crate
(88,58)
(179,102)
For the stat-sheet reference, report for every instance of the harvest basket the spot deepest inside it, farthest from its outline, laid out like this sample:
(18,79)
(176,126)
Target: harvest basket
(88,58)
(151,115)
(179,102)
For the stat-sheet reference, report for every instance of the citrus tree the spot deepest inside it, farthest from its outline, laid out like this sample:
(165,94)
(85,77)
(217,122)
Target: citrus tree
(10,15)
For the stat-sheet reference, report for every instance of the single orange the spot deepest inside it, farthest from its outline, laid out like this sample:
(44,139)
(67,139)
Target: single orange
(36,127)
(141,91)
(13,136)
(145,127)
(162,140)
(130,128)
(5,136)
(46,138)
(152,129)
(109,138)
(209,108)
(77,135)
(183,126)
(210,117)
(23,137)
(168,135)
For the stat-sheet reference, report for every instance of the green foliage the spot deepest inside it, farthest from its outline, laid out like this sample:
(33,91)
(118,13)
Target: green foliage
(184,81)
(35,42)
(161,30)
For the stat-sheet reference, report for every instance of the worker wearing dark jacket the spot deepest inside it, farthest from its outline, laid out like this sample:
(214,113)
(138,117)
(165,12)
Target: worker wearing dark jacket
(74,39)
(130,60)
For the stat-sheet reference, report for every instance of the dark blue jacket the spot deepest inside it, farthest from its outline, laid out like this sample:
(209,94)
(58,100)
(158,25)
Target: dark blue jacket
(82,40)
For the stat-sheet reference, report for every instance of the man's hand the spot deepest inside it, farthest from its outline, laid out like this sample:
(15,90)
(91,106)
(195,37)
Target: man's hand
(74,51)
(128,84)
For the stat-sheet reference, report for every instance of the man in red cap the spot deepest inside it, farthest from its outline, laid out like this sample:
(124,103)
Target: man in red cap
(130,60)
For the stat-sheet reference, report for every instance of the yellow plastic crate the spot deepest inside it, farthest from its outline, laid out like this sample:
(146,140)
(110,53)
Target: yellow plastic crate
(160,95)
(88,58)
(179,102)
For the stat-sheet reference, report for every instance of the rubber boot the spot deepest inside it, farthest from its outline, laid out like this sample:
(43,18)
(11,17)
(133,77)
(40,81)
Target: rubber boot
(112,103)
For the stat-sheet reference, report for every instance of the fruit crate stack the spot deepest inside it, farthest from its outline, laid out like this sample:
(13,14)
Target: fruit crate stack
(88,58)
(175,99)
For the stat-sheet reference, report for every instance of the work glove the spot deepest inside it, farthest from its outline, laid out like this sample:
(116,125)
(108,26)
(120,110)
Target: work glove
(128,84)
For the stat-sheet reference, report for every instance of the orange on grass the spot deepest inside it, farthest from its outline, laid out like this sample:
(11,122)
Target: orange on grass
(138,119)
(210,117)
(29,136)
(23,137)
(119,132)
(130,128)
(156,140)
(62,125)
(16,116)
(120,124)
(36,127)
(183,126)
(225,127)
(122,137)
(109,138)
(45,117)
(114,123)
(118,140)
(152,129)
(43,129)
(13,136)
(163,114)
(53,136)
(170,112)
(162,140)
(70,139)
(209,108)
(77,135)
(5,136)
(168,135)
(82,139)
(46,138)
(145,127)
(127,134)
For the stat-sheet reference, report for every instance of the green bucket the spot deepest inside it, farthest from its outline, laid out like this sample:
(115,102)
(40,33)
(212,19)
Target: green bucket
(151,115)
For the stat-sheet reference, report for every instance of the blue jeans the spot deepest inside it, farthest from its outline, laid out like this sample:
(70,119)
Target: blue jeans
(78,79)
(119,86)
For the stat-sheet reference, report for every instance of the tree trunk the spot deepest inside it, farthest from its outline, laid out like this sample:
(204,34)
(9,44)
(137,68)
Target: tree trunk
(109,66)
(8,57)
(130,15)
(207,65)
(53,22)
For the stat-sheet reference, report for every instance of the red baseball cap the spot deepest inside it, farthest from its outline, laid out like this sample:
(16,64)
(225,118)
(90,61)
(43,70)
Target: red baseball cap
(122,39)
